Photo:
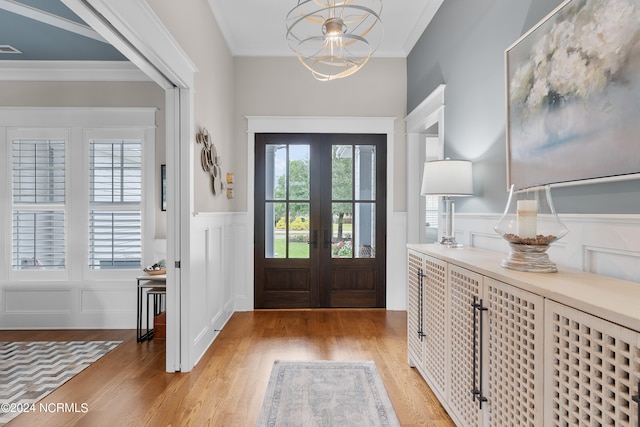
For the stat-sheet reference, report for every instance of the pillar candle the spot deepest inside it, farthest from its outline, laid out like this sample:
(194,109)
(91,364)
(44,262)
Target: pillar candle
(527,218)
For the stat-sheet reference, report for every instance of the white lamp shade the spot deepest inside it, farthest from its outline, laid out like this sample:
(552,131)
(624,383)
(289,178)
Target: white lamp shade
(447,178)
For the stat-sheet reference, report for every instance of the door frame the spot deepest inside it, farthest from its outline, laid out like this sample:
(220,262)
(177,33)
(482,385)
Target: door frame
(421,121)
(133,28)
(291,124)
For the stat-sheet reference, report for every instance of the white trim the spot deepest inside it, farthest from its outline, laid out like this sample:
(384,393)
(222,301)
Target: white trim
(428,113)
(417,31)
(50,19)
(65,71)
(100,117)
(310,124)
(299,124)
(133,28)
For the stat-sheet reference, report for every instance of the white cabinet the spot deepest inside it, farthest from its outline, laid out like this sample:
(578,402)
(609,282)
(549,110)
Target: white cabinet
(593,370)
(415,333)
(496,351)
(465,287)
(426,327)
(514,351)
(504,348)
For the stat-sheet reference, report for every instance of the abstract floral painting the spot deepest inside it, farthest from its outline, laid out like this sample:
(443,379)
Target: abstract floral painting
(573,95)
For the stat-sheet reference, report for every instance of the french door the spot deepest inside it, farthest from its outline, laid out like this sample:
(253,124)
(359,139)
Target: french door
(320,215)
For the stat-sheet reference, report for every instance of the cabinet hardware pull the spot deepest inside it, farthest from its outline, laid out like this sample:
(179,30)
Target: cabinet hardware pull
(477,325)
(421,277)
(637,400)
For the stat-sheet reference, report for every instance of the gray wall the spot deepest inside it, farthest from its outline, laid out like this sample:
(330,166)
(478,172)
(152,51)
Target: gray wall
(463,47)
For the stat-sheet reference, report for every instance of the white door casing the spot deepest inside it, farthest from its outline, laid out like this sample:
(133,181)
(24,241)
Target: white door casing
(133,28)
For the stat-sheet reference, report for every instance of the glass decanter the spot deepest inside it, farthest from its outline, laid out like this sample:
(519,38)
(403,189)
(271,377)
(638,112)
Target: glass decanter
(530,224)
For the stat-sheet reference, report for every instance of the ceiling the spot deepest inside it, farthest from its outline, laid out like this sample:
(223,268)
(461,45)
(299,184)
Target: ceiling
(263,33)
(46,30)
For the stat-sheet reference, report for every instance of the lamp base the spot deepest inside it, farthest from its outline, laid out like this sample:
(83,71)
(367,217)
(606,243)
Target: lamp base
(450,242)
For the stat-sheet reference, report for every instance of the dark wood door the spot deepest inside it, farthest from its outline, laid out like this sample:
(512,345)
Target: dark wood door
(320,220)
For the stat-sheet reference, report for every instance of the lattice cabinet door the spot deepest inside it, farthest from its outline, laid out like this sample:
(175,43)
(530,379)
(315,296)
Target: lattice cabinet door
(592,370)
(415,319)
(435,323)
(465,289)
(514,352)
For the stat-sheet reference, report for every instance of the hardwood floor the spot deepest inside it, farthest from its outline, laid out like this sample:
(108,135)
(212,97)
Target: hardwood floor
(128,387)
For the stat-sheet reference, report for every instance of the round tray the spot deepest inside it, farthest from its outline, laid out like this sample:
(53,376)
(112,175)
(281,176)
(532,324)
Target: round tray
(155,272)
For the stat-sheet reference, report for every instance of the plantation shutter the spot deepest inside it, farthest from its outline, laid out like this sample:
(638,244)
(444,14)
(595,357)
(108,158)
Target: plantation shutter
(38,204)
(432,211)
(115,199)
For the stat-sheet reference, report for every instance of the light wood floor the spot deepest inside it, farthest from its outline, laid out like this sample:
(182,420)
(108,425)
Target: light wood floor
(128,387)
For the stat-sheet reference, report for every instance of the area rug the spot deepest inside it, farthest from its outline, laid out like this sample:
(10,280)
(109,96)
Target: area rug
(31,370)
(326,393)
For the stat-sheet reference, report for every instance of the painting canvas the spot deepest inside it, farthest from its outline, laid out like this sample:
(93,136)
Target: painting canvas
(573,95)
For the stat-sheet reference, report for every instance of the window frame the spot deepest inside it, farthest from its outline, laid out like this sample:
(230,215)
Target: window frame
(36,134)
(79,123)
(147,201)
(113,206)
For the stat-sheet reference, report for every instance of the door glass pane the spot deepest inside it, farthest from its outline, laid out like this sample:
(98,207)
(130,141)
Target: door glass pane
(287,179)
(298,230)
(364,233)
(275,230)
(341,237)
(298,172)
(342,172)
(275,172)
(365,176)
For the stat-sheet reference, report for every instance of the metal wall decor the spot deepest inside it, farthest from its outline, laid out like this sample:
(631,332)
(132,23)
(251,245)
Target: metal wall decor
(210,160)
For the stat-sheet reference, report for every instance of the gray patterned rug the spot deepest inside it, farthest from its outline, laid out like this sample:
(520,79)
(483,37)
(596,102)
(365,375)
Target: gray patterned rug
(31,370)
(326,393)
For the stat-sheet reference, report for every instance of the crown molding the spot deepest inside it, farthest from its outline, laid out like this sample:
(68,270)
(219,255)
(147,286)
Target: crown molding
(106,71)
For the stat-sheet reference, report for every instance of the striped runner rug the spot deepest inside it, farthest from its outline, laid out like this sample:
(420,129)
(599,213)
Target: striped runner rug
(31,370)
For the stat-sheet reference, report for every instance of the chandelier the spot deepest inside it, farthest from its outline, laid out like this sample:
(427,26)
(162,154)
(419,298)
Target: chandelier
(334,38)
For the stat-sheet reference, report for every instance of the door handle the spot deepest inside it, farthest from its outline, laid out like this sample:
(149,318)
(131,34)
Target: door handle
(478,308)
(326,239)
(314,242)
(421,277)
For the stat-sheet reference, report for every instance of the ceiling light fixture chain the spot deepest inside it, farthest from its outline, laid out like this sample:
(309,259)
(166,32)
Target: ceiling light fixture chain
(334,38)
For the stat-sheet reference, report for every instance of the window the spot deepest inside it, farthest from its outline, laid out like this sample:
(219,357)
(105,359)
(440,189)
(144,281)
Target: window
(79,204)
(115,200)
(39,203)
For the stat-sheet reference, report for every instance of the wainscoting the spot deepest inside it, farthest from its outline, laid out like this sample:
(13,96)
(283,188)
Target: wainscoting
(221,279)
(602,244)
(91,301)
(209,291)
(220,282)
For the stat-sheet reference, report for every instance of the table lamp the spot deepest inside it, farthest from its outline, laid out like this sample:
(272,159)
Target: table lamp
(447,178)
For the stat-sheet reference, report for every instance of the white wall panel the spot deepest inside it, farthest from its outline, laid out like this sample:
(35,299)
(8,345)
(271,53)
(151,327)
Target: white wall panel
(107,300)
(38,300)
(397,261)
(211,279)
(614,263)
(218,279)
(601,244)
